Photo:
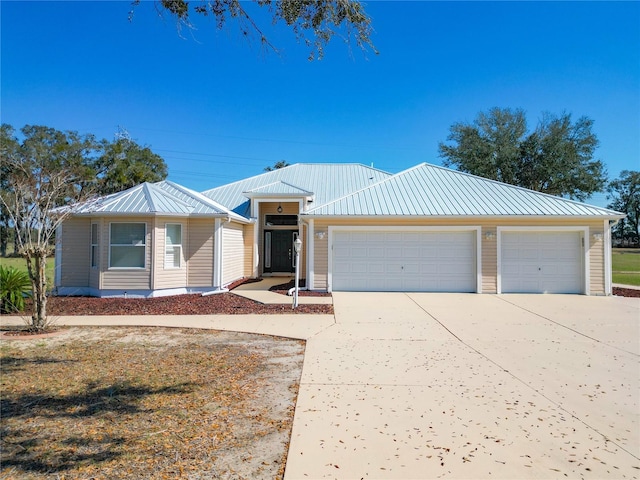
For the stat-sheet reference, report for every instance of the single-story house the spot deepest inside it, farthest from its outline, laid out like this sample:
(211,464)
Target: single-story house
(426,229)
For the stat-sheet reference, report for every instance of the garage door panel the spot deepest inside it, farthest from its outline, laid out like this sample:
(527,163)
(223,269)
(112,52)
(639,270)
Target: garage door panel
(405,261)
(541,262)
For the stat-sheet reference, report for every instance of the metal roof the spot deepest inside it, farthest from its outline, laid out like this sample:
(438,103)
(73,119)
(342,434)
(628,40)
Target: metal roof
(278,188)
(163,198)
(327,181)
(430,190)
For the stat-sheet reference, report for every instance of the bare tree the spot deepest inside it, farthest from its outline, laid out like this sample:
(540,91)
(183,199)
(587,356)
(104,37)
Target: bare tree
(43,172)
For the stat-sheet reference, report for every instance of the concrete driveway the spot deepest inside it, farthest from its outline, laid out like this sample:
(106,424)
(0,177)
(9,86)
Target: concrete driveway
(471,386)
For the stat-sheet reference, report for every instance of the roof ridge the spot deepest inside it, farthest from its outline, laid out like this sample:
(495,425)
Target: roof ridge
(510,185)
(202,198)
(297,165)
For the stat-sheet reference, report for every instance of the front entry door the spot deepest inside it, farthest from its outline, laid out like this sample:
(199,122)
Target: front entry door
(279,252)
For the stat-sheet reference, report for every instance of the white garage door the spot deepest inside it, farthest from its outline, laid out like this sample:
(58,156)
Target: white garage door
(541,262)
(402,261)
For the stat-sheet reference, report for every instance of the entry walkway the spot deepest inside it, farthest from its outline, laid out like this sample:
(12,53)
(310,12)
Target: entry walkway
(259,292)
(470,386)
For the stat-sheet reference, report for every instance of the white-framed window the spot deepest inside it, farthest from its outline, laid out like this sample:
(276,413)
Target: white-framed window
(94,245)
(173,245)
(127,245)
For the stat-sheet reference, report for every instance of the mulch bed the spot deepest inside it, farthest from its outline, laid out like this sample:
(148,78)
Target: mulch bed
(626,292)
(219,304)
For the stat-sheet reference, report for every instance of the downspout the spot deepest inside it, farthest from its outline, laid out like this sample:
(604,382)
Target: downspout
(153,254)
(58,257)
(217,254)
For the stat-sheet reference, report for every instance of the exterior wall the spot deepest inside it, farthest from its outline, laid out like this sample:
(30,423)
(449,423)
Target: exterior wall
(126,279)
(596,259)
(200,253)
(76,250)
(233,252)
(489,253)
(321,258)
(249,248)
(163,276)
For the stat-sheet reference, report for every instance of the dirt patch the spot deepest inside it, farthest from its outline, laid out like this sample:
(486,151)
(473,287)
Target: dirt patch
(147,403)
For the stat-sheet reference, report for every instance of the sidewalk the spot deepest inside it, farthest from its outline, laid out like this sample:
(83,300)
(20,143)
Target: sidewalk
(300,327)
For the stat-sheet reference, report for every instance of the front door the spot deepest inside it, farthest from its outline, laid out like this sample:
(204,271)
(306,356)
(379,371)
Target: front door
(278,245)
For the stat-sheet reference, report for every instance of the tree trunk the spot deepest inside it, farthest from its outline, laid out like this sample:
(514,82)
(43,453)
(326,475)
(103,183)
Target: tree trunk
(36,265)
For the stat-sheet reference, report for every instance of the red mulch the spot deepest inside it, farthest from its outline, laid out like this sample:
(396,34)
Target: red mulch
(626,292)
(221,303)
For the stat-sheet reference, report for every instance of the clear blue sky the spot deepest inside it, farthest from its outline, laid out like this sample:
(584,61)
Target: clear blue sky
(218,109)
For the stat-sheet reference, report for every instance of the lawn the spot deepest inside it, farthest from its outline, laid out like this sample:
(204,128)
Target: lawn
(625,264)
(147,403)
(21,264)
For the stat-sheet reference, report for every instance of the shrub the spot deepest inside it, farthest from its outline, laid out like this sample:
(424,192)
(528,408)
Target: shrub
(14,287)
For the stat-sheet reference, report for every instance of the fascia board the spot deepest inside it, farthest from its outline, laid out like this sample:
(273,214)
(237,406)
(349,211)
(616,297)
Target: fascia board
(487,217)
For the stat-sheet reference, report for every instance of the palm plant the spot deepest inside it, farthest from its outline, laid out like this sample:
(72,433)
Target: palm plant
(15,285)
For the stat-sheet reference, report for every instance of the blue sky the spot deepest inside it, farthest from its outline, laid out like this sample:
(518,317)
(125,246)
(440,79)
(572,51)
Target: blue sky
(218,108)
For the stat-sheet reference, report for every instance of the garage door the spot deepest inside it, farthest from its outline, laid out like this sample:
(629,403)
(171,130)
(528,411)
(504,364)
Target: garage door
(403,261)
(541,262)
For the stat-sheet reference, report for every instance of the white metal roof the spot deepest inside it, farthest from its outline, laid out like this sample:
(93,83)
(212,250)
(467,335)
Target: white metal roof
(163,198)
(326,181)
(430,190)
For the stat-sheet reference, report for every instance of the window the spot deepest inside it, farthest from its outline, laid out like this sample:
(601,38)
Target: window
(127,245)
(173,245)
(280,220)
(94,245)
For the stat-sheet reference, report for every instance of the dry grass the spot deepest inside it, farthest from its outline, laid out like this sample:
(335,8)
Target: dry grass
(147,403)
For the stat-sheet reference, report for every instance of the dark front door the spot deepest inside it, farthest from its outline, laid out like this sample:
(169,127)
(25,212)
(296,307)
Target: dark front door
(279,257)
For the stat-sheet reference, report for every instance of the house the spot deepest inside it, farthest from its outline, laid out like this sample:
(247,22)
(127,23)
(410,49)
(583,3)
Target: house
(427,229)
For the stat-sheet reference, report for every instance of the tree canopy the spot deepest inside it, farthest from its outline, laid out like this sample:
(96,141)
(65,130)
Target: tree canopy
(555,158)
(124,164)
(314,22)
(276,166)
(624,193)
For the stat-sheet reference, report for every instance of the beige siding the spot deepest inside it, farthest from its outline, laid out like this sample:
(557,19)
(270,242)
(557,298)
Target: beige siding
(489,259)
(169,277)
(321,259)
(76,250)
(200,253)
(489,245)
(126,279)
(248,250)
(232,252)
(596,260)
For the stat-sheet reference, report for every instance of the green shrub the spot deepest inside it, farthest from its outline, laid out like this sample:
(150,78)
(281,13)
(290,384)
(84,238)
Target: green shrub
(14,287)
